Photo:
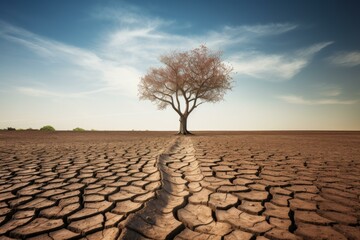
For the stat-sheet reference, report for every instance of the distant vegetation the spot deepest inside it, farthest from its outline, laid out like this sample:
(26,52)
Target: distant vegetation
(19,129)
(78,129)
(47,128)
(44,128)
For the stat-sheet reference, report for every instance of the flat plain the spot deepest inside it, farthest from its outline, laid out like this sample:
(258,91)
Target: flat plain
(157,185)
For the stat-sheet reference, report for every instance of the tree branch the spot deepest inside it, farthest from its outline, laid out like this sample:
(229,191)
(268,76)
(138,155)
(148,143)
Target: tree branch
(177,100)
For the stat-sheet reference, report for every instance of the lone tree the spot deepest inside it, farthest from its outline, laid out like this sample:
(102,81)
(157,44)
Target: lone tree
(187,80)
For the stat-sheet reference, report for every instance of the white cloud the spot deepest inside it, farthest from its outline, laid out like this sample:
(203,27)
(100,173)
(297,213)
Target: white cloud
(331,91)
(323,101)
(36,92)
(270,29)
(144,42)
(135,43)
(313,49)
(275,67)
(346,59)
(143,39)
(108,72)
(269,67)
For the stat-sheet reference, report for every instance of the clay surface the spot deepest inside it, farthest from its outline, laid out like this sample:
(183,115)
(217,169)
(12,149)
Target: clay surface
(157,185)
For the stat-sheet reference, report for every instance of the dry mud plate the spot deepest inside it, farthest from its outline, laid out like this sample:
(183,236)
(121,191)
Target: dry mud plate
(97,185)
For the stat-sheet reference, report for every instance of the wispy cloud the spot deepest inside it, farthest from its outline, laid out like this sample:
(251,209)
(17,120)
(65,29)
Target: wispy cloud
(323,101)
(275,67)
(108,72)
(331,91)
(271,28)
(143,42)
(142,38)
(136,41)
(346,59)
(37,92)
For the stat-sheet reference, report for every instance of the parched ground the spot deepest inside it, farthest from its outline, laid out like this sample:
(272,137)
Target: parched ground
(156,185)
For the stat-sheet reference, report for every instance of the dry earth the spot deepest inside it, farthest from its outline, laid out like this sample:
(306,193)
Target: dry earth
(155,185)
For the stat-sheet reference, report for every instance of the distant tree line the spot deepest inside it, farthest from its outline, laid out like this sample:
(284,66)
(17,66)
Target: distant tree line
(48,128)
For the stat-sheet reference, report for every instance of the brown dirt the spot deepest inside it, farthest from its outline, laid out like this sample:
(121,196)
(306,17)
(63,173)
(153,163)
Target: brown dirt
(156,185)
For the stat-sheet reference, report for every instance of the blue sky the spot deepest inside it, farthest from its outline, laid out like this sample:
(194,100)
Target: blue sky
(77,63)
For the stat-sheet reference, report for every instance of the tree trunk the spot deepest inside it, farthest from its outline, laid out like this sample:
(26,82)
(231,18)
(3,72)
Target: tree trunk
(183,125)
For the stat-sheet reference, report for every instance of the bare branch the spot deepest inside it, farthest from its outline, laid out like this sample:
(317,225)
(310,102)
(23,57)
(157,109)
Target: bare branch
(195,76)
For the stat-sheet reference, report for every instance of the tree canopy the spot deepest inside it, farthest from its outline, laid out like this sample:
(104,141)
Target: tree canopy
(187,80)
